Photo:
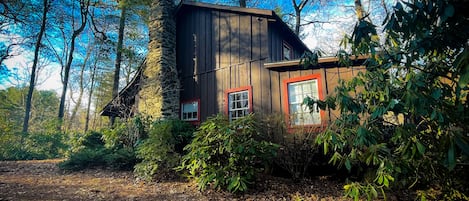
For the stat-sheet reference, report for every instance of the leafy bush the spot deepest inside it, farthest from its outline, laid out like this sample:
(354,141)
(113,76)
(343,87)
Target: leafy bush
(126,133)
(162,149)
(417,73)
(85,158)
(227,154)
(93,153)
(121,159)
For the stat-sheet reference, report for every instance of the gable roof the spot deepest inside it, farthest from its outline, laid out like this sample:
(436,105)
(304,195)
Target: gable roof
(270,14)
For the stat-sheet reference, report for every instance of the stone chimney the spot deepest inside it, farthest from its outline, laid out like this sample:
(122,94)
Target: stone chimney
(160,86)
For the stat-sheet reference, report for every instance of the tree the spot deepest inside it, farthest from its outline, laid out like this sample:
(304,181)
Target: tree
(46,7)
(81,84)
(12,108)
(404,120)
(115,88)
(298,8)
(84,4)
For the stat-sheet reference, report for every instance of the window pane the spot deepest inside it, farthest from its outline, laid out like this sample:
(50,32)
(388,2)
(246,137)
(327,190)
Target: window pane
(238,103)
(300,114)
(188,110)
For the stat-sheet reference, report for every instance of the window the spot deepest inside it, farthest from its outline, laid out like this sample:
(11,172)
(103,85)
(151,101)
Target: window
(190,111)
(286,51)
(296,90)
(238,102)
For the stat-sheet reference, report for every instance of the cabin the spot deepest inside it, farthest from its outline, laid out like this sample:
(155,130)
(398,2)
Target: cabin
(236,61)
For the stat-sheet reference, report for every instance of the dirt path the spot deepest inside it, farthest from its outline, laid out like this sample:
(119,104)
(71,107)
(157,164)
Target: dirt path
(42,180)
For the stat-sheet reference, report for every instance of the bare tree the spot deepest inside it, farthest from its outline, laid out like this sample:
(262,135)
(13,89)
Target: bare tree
(46,7)
(298,8)
(81,86)
(84,4)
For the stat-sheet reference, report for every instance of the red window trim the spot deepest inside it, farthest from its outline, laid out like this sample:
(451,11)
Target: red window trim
(193,122)
(286,105)
(245,88)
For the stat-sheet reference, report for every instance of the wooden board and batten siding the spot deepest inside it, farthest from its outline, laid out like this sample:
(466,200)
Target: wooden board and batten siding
(221,48)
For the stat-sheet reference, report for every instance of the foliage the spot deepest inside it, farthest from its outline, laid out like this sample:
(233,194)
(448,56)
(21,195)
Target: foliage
(12,109)
(227,154)
(403,122)
(127,133)
(295,153)
(92,153)
(162,149)
(46,145)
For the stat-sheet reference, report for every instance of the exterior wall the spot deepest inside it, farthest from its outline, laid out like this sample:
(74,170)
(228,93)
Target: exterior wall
(277,36)
(333,74)
(219,51)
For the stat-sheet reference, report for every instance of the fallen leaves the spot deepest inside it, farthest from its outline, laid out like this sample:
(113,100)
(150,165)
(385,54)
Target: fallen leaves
(43,180)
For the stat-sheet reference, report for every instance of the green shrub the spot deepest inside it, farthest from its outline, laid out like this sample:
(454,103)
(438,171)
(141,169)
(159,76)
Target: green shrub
(227,155)
(161,150)
(126,133)
(121,159)
(85,158)
(93,140)
(93,153)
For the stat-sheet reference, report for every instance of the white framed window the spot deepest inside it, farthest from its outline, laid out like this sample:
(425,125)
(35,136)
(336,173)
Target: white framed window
(238,102)
(190,111)
(297,90)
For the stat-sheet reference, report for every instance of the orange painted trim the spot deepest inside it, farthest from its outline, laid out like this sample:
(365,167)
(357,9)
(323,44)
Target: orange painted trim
(245,88)
(193,122)
(286,105)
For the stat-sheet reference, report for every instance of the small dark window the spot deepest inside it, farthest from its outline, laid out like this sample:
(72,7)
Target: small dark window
(287,51)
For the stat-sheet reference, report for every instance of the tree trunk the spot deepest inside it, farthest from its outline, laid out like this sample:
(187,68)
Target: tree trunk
(82,87)
(242,3)
(34,68)
(115,86)
(160,92)
(359,9)
(84,13)
(298,8)
(90,95)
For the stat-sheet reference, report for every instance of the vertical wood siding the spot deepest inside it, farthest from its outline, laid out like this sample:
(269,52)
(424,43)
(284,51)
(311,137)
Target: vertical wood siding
(219,50)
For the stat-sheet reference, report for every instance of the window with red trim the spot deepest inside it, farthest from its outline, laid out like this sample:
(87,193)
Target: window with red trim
(190,110)
(296,90)
(238,102)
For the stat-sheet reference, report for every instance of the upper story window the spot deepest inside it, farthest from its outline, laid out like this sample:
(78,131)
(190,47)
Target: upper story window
(239,102)
(190,111)
(296,90)
(287,51)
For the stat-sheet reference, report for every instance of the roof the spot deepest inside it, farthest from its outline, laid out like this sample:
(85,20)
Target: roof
(323,62)
(126,97)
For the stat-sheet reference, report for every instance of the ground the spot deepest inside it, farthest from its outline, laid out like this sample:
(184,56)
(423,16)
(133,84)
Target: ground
(43,180)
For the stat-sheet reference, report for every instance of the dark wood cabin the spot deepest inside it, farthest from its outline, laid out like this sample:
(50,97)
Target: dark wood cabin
(236,61)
